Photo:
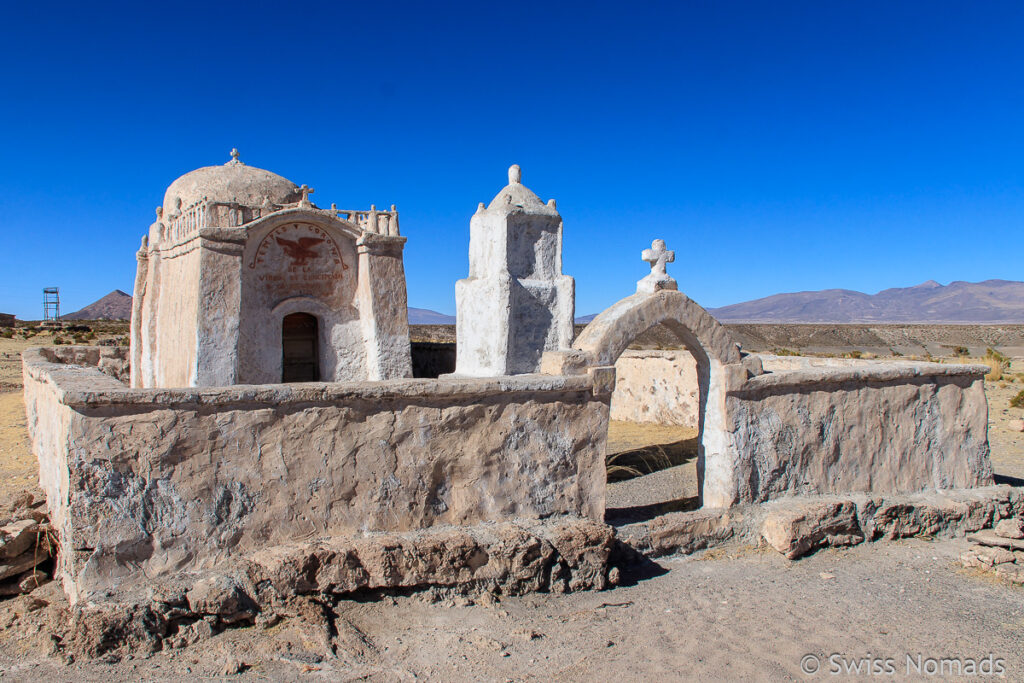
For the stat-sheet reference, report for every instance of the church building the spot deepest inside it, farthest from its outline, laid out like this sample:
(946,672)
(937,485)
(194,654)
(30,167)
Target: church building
(243,280)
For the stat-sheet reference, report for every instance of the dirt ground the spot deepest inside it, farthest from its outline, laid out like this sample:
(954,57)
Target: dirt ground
(732,613)
(1007,444)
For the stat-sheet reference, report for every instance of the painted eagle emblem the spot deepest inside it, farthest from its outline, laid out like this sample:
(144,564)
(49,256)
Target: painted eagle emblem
(300,250)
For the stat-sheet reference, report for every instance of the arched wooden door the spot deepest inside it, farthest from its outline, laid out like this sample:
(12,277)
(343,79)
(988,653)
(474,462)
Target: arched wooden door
(300,359)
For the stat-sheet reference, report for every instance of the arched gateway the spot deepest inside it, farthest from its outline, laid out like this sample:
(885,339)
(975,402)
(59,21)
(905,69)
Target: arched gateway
(720,365)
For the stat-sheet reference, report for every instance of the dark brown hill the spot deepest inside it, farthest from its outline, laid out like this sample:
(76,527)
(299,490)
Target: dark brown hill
(114,306)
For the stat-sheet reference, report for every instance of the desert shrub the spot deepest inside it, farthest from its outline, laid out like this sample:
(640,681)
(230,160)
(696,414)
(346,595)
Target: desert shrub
(960,351)
(91,335)
(998,364)
(7,334)
(995,371)
(853,354)
(786,352)
(59,340)
(895,353)
(1018,400)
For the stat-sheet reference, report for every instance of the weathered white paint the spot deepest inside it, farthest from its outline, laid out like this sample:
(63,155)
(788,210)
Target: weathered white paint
(238,249)
(516,303)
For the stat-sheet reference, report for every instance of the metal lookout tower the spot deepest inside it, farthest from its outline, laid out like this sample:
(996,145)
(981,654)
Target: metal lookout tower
(51,304)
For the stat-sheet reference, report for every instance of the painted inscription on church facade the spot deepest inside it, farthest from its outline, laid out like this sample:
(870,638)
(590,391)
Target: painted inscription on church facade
(302,259)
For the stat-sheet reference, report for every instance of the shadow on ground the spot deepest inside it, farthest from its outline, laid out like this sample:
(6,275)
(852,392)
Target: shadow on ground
(645,513)
(637,462)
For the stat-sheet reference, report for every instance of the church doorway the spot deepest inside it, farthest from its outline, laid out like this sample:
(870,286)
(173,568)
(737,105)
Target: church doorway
(299,348)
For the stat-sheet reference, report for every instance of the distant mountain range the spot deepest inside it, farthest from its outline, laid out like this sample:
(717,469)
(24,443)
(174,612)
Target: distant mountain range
(991,301)
(424,316)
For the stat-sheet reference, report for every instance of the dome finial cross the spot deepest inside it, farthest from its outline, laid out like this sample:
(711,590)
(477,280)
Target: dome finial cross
(306,190)
(234,158)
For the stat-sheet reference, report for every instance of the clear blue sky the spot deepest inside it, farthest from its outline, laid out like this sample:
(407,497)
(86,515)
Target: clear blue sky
(776,146)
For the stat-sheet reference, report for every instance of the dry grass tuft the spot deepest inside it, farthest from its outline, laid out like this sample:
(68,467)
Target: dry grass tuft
(636,449)
(998,364)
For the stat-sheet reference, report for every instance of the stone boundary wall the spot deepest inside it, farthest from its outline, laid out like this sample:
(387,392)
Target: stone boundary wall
(658,387)
(110,360)
(152,482)
(820,426)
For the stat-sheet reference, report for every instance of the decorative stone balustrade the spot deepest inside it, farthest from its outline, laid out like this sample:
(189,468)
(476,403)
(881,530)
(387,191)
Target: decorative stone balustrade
(189,221)
(374,220)
(203,213)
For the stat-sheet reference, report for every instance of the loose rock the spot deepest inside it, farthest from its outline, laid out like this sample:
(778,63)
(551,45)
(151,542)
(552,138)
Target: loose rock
(992,556)
(17,537)
(1010,528)
(796,529)
(18,565)
(989,538)
(223,597)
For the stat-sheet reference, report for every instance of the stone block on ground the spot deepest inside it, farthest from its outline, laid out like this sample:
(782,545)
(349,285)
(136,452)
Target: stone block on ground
(969,558)
(25,583)
(584,547)
(991,556)
(687,532)
(20,564)
(1010,528)
(990,538)
(222,597)
(932,515)
(17,537)
(795,529)
(511,557)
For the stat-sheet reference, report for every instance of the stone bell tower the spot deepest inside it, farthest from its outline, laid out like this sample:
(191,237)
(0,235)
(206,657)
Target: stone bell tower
(515,304)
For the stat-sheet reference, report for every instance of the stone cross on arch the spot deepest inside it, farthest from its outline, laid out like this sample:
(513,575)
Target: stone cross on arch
(306,190)
(657,256)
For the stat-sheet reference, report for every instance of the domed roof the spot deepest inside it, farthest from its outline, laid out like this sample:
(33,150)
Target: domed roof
(234,182)
(516,196)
